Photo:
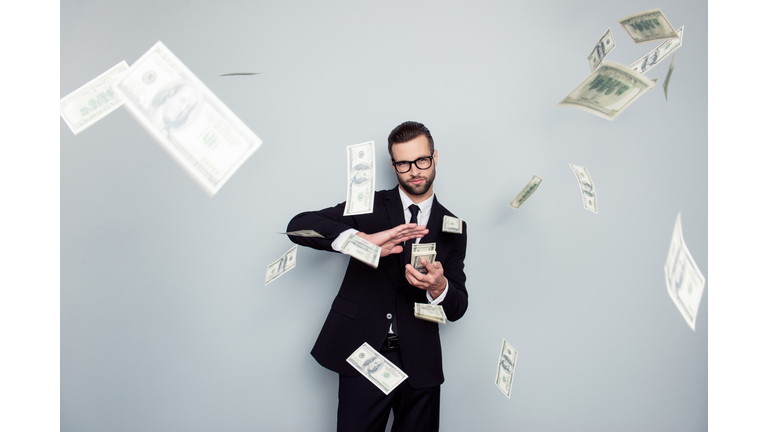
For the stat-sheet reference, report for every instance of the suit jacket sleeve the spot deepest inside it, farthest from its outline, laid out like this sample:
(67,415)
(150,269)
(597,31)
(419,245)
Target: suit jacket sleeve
(328,222)
(456,300)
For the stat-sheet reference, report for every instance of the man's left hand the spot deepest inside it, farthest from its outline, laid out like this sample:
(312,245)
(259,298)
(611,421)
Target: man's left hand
(433,281)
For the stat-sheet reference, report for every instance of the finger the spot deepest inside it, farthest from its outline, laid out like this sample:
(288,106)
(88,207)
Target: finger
(407,232)
(428,265)
(407,235)
(415,274)
(410,278)
(415,282)
(405,226)
(410,230)
(437,267)
(410,226)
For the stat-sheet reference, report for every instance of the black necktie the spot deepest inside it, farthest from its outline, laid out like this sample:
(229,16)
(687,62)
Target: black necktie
(414,213)
(408,244)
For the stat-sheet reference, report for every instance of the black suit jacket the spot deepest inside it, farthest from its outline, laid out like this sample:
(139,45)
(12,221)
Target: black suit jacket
(368,297)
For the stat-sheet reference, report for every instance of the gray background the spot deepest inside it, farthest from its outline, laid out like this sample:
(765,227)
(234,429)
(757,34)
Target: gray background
(166,323)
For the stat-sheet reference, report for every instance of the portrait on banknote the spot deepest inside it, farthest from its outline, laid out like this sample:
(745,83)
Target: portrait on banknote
(175,106)
(650,61)
(361,176)
(587,190)
(362,173)
(372,365)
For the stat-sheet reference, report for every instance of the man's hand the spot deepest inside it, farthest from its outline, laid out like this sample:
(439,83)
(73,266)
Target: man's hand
(433,281)
(390,240)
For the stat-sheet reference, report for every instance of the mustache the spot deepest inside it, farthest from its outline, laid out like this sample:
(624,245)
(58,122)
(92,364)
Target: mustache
(418,178)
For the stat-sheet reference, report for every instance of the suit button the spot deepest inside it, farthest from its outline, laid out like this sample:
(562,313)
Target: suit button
(389,316)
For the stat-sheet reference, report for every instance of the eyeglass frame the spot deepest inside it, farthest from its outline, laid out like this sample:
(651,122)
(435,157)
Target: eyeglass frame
(413,162)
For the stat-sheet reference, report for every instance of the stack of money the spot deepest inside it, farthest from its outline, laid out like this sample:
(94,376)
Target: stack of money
(429,312)
(361,249)
(282,265)
(423,250)
(376,368)
(452,225)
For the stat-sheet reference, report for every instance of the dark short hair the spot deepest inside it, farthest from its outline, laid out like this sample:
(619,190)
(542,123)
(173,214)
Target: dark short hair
(407,131)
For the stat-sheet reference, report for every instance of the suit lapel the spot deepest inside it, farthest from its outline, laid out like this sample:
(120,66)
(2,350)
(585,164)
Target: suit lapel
(435,222)
(394,207)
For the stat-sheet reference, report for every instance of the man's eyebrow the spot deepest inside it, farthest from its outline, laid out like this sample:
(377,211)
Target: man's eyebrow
(420,157)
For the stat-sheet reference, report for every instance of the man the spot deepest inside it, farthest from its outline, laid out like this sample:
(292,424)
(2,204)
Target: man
(376,305)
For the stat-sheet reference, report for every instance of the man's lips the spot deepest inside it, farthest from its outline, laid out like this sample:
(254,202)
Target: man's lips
(417,181)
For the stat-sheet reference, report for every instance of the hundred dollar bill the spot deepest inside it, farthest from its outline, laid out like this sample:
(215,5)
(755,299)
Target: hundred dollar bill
(93,101)
(452,225)
(669,75)
(588,193)
(376,368)
(361,249)
(685,283)
(648,61)
(648,26)
(608,91)
(361,176)
(303,233)
(605,45)
(282,265)
(429,312)
(423,247)
(416,258)
(186,118)
(505,371)
(528,190)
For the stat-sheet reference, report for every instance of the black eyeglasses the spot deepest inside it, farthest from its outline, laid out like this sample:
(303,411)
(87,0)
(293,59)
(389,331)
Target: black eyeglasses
(405,166)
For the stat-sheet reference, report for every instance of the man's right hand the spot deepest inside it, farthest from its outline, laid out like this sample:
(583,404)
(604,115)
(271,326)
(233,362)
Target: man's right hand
(390,240)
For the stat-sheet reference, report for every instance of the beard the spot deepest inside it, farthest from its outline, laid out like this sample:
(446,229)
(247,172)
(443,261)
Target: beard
(418,189)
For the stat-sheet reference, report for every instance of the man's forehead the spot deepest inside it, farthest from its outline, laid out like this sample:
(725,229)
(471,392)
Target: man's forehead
(416,147)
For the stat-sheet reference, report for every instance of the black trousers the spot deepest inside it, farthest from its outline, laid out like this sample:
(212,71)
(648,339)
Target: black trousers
(365,408)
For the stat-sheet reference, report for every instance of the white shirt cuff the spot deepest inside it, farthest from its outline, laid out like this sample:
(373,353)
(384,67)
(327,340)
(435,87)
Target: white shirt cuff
(336,245)
(441,297)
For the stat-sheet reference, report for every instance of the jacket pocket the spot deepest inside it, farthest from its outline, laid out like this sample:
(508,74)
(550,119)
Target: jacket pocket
(345,307)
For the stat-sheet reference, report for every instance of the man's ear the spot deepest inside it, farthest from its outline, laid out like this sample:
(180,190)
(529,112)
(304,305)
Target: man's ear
(435,157)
